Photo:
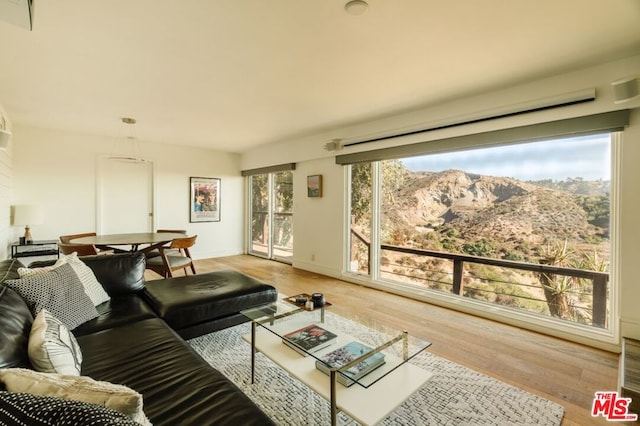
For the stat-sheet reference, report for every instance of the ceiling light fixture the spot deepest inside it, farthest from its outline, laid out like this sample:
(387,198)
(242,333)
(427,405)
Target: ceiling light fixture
(356,7)
(132,140)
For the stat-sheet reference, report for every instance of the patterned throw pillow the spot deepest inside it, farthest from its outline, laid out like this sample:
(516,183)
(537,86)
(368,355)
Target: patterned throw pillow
(26,409)
(91,285)
(60,292)
(117,397)
(52,347)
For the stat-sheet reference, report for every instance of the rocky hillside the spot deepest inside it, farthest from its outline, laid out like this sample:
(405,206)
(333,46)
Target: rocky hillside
(465,208)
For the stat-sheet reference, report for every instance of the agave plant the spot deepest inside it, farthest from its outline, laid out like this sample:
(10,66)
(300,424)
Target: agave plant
(593,262)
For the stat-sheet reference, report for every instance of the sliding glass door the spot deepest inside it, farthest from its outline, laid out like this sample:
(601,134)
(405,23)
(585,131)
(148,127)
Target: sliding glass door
(271,215)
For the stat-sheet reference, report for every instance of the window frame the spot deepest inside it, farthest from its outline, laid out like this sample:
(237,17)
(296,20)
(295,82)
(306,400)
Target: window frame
(612,123)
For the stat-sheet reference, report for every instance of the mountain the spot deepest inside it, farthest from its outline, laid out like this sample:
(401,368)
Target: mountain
(463,208)
(576,185)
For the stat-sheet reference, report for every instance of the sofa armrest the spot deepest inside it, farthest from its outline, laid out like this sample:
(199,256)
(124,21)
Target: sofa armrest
(9,269)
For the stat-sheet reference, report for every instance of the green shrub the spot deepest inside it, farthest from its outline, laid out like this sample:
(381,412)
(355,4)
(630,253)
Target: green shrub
(482,248)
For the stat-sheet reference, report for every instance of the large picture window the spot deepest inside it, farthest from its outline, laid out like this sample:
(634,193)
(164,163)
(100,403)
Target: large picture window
(524,227)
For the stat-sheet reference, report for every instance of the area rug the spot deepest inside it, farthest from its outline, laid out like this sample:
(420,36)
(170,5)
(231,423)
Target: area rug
(455,395)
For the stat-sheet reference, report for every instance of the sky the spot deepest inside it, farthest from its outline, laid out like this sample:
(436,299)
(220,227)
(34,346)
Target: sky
(588,157)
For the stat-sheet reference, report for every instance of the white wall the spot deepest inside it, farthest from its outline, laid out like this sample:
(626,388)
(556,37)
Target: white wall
(58,171)
(318,224)
(6,181)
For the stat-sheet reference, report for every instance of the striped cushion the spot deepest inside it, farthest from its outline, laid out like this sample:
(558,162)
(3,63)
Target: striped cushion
(92,287)
(52,347)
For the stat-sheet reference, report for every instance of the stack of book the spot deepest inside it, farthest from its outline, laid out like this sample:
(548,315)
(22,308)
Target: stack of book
(310,338)
(344,355)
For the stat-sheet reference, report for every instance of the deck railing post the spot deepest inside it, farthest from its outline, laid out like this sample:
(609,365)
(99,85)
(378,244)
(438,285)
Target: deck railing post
(599,301)
(457,276)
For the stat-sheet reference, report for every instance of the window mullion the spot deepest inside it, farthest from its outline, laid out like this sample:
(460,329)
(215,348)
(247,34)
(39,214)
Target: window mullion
(270,203)
(374,253)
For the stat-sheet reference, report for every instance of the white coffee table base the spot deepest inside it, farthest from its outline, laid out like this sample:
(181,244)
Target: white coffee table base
(367,406)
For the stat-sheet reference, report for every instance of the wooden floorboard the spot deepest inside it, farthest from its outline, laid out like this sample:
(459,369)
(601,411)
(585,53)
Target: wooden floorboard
(565,372)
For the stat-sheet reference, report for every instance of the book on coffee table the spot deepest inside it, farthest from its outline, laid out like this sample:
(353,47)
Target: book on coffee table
(346,354)
(310,338)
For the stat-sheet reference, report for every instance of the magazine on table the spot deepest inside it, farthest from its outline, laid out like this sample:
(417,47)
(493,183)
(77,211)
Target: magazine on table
(344,355)
(310,338)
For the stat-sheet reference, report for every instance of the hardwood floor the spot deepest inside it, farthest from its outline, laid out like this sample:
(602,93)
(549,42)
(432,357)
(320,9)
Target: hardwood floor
(565,372)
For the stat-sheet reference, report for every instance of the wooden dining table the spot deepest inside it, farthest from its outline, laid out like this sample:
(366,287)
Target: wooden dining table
(149,240)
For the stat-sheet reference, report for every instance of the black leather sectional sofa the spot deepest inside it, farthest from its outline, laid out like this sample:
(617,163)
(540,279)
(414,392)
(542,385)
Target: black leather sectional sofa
(136,339)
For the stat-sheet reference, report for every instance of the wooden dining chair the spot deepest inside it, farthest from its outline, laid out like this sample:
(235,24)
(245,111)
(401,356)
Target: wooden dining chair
(168,261)
(81,249)
(85,248)
(67,238)
(156,252)
(173,231)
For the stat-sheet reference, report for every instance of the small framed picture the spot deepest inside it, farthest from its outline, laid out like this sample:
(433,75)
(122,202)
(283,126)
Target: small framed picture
(204,199)
(314,186)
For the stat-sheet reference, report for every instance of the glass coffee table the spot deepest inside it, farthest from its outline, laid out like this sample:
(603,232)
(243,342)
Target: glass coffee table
(360,366)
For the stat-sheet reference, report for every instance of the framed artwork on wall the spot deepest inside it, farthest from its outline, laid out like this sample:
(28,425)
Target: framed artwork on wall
(314,186)
(204,199)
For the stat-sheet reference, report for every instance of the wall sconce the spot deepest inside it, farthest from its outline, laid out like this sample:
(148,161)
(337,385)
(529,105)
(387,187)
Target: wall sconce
(626,89)
(334,145)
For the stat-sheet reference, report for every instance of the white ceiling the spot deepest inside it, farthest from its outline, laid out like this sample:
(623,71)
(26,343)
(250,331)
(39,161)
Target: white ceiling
(234,74)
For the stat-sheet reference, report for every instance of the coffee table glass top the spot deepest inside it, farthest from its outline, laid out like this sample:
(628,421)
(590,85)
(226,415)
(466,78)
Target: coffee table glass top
(362,351)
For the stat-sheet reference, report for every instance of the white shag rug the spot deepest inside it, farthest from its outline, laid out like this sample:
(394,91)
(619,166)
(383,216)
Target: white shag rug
(456,395)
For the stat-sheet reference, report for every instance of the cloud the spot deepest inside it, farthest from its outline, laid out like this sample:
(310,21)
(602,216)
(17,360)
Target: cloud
(588,157)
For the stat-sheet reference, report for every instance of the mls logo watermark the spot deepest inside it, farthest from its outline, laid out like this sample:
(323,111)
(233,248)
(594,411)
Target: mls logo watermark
(612,407)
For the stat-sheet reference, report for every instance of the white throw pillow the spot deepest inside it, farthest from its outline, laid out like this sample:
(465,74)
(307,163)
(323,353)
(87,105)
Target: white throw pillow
(83,388)
(25,272)
(92,287)
(52,347)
